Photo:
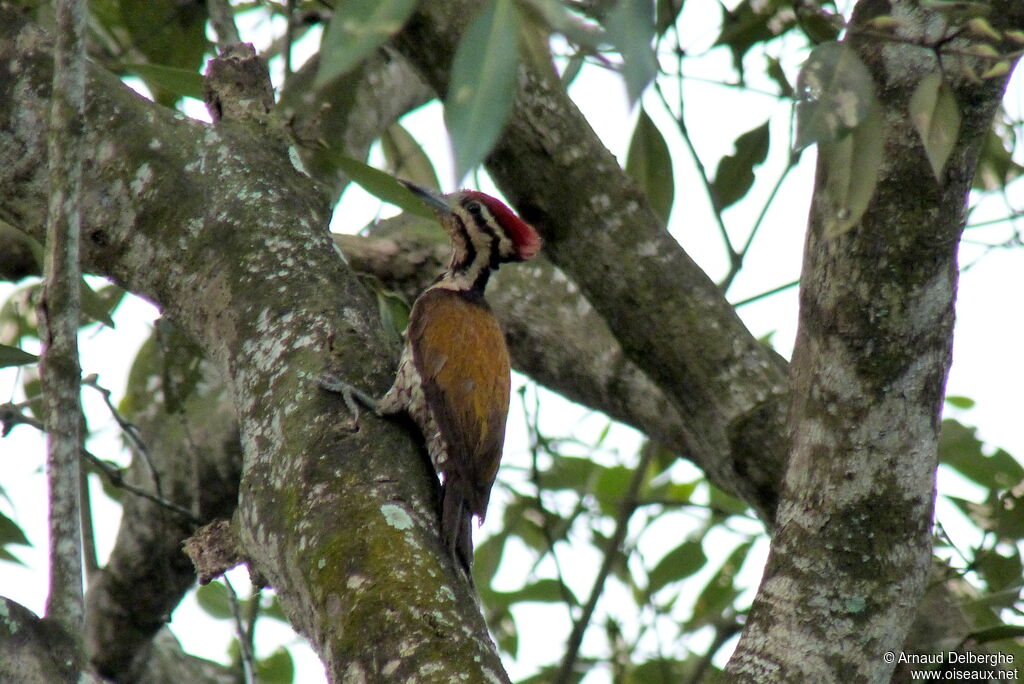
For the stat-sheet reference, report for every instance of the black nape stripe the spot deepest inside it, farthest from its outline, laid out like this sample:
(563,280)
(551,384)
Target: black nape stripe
(470,247)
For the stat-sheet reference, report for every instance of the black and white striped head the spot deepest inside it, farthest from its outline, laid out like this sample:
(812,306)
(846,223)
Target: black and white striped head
(484,231)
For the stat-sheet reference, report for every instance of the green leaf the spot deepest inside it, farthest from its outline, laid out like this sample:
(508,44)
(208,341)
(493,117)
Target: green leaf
(357,28)
(1000,572)
(998,514)
(935,116)
(735,174)
(406,159)
(213,598)
(960,402)
(996,166)
(487,558)
(835,94)
(13,356)
(818,25)
(482,85)
(662,670)
(997,633)
(777,74)
(98,306)
(394,313)
(649,162)
(382,186)
(183,82)
(274,610)
(18,314)
(277,668)
(631,29)
(169,33)
(677,564)
(751,23)
(720,592)
(960,449)
(667,11)
(669,492)
(6,555)
(612,486)
(11,533)
(852,166)
(520,521)
(541,591)
(728,503)
(570,472)
(544,17)
(501,621)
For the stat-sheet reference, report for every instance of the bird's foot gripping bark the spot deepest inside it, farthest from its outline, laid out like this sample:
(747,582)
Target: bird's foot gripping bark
(351,395)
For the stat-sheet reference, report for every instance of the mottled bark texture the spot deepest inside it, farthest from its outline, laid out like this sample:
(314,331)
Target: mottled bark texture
(851,551)
(217,227)
(59,313)
(228,238)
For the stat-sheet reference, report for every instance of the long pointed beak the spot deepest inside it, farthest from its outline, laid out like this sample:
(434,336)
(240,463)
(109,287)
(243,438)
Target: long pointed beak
(431,199)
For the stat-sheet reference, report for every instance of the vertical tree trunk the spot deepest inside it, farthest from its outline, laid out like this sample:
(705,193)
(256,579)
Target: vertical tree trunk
(852,548)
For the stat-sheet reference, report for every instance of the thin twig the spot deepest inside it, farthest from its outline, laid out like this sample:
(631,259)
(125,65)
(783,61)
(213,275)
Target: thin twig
(698,164)
(11,415)
(289,38)
(611,550)
(244,644)
(129,429)
(89,557)
(533,431)
(768,293)
(223,19)
(734,269)
(116,478)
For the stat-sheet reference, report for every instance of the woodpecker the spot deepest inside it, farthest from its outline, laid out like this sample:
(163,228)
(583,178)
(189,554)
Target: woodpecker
(454,374)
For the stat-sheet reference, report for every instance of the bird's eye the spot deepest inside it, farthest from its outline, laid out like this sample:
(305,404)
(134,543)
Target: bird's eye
(474,208)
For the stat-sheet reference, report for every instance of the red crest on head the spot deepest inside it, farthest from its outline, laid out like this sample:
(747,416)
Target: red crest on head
(526,239)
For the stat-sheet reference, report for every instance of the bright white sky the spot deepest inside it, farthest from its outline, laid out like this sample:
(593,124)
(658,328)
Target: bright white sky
(988,365)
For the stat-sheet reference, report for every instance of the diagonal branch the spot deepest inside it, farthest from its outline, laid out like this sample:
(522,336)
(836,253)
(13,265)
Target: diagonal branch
(729,388)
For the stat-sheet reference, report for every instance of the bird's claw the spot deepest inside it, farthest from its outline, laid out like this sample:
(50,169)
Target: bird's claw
(349,395)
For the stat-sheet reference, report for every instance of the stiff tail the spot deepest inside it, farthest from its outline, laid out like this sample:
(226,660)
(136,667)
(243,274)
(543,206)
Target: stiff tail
(456,525)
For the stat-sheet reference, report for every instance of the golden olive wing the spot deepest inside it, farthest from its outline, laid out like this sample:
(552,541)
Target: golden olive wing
(460,353)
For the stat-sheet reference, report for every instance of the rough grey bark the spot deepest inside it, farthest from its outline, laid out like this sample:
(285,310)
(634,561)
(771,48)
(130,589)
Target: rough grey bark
(122,618)
(151,207)
(242,261)
(59,314)
(32,650)
(851,551)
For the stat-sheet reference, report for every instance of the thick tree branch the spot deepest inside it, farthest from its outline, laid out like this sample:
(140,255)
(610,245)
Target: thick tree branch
(218,228)
(134,215)
(852,548)
(728,387)
(32,650)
